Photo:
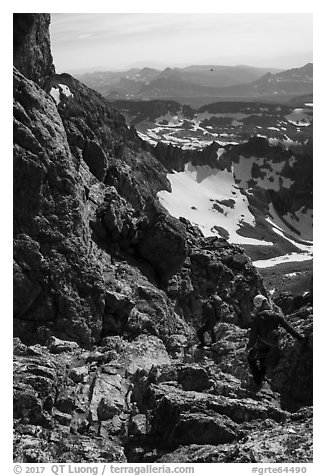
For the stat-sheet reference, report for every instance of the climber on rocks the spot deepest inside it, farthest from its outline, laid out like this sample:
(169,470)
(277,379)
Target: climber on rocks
(211,316)
(263,345)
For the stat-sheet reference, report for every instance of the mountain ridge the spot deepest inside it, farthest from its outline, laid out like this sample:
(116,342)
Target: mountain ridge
(211,81)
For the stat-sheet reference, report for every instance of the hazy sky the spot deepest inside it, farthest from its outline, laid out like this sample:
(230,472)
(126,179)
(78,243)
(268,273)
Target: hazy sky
(114,41)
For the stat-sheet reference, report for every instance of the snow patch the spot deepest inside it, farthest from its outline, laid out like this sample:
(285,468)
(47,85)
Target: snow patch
(291,275)
(55,93)
(301,220)
(61,89)
(303,227)
(220,152)
(292,257)
(65,90)
(146,138)
(298,117)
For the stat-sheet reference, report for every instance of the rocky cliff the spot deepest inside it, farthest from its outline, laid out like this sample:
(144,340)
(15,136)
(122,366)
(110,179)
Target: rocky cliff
(108,292)
(32,49)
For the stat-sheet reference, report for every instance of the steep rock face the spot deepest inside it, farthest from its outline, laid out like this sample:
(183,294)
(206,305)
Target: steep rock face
(50,237)
(32,49)
(98,134)
(58,278)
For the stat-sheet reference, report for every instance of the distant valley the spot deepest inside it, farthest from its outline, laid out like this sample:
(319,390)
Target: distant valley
(199,85)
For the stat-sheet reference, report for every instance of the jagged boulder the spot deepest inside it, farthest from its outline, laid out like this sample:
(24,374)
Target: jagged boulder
(215,267)
(202,429)
(268,442)
(189,376)
(180,419)
(116,312)
(184,416)
(108,397)
(57,346)
(138,426)
(164,245)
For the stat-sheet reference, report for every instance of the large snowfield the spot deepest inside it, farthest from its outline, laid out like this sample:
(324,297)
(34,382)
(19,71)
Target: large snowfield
(292,257)
(211,199)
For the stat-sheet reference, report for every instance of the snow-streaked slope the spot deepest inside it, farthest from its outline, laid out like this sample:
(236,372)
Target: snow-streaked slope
(280,228)
(210,198)
(214,200)
(271,172)
(301,221)
(292,257)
